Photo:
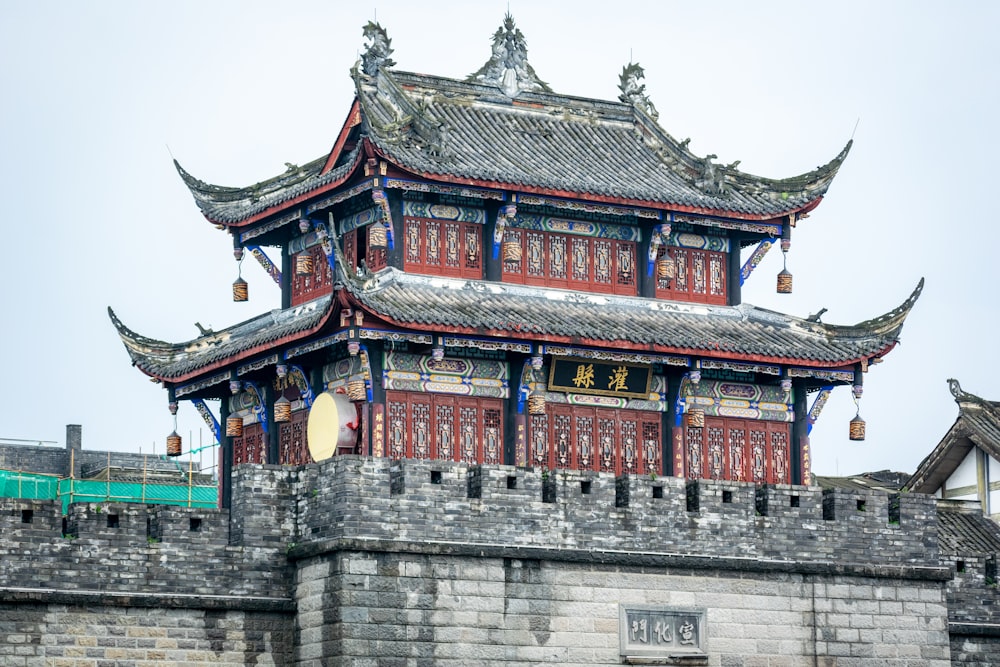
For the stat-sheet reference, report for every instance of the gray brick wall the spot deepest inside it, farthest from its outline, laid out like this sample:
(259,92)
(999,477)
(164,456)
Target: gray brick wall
(360,562)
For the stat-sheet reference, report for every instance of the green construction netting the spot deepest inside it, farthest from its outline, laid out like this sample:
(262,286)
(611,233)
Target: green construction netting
(49,487)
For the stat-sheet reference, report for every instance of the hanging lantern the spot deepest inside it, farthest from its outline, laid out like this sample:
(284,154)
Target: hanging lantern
(666,268)
(694,418)
(173,444)
(857,429)
(234,426)
(282,410)
(511,251)
(241,291)
(784,282)
(377,236)
(303,264)
(536,403)
(356,391)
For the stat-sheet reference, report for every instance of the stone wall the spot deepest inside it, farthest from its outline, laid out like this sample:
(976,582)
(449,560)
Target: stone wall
(361,561)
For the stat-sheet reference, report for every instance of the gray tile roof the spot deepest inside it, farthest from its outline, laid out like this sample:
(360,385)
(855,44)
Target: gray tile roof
(426,304)
(977,425)
(524,138)
(962,529)
(178,361)
(439,304)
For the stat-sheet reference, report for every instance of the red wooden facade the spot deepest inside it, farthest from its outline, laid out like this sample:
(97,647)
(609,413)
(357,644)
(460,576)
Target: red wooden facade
(440,426)
(443,247)
(580,263)
(744,450)
(315,283)
(292,447)
(251,447)
(700,276)
(598,439)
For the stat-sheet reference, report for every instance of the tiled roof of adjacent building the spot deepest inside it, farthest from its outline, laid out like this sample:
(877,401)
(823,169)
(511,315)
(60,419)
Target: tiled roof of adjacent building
(977,425)
(504,128)
(963,529)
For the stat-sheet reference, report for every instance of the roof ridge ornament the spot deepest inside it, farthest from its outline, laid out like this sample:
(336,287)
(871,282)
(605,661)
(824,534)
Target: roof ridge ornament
(633,92)
(508,67)
(962,396)
(377,52)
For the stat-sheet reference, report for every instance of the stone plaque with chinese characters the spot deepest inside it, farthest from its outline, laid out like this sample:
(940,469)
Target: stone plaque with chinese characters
(662,632)
(585,376)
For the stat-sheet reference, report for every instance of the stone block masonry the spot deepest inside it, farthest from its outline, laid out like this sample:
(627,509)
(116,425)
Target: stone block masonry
(360,561)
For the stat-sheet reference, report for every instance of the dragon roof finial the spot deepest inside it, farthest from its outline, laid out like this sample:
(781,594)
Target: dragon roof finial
(508,66)
(378,51)
(633,92)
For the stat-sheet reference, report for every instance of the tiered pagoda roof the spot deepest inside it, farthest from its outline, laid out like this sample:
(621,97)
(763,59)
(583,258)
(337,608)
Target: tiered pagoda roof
(489,132)
(397,300)
(503,129)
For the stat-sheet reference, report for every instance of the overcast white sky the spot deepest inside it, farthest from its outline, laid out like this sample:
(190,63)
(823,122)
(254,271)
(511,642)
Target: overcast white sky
(93,94)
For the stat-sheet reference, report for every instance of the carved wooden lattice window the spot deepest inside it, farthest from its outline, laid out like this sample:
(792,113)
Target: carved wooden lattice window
(445,248)
(585,442)
(737,453)
(625,441)
(292,448)
(606,450)
(715,451)
(739,450)
(316,283)
(692,446)
(444,429)
(249,448)
(439,426)
(700,275)
(568,261)
(538,426)
(779,456)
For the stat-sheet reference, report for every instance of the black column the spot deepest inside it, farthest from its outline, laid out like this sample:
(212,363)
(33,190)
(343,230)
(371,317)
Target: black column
(226,462)
(273,426)
(800,431)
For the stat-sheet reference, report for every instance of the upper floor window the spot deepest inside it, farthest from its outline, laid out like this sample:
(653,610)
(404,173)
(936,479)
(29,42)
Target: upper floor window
(585,263)
(692,268)
(366,243)
(443,247)
(311,275)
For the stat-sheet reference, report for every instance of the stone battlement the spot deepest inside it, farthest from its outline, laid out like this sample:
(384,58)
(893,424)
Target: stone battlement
(355,497)
(283,512)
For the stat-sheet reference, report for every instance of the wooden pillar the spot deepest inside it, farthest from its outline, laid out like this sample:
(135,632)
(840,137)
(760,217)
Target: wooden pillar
(669,420)
(492,268)
(800,435)
(287,271)
(376,410)
(272,426)
(515,427)
(734,266)
(394,255)
(225,457)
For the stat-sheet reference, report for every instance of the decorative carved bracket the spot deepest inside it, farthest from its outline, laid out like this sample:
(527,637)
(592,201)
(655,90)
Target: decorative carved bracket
(209,418)
(265,261)
(756,257)
(817,407)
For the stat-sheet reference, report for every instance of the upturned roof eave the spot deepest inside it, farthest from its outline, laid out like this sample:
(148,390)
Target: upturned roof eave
(143,350)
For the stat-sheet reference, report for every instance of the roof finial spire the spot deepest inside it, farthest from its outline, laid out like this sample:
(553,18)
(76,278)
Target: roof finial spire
(633,92)
(508,67)
(377,52)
